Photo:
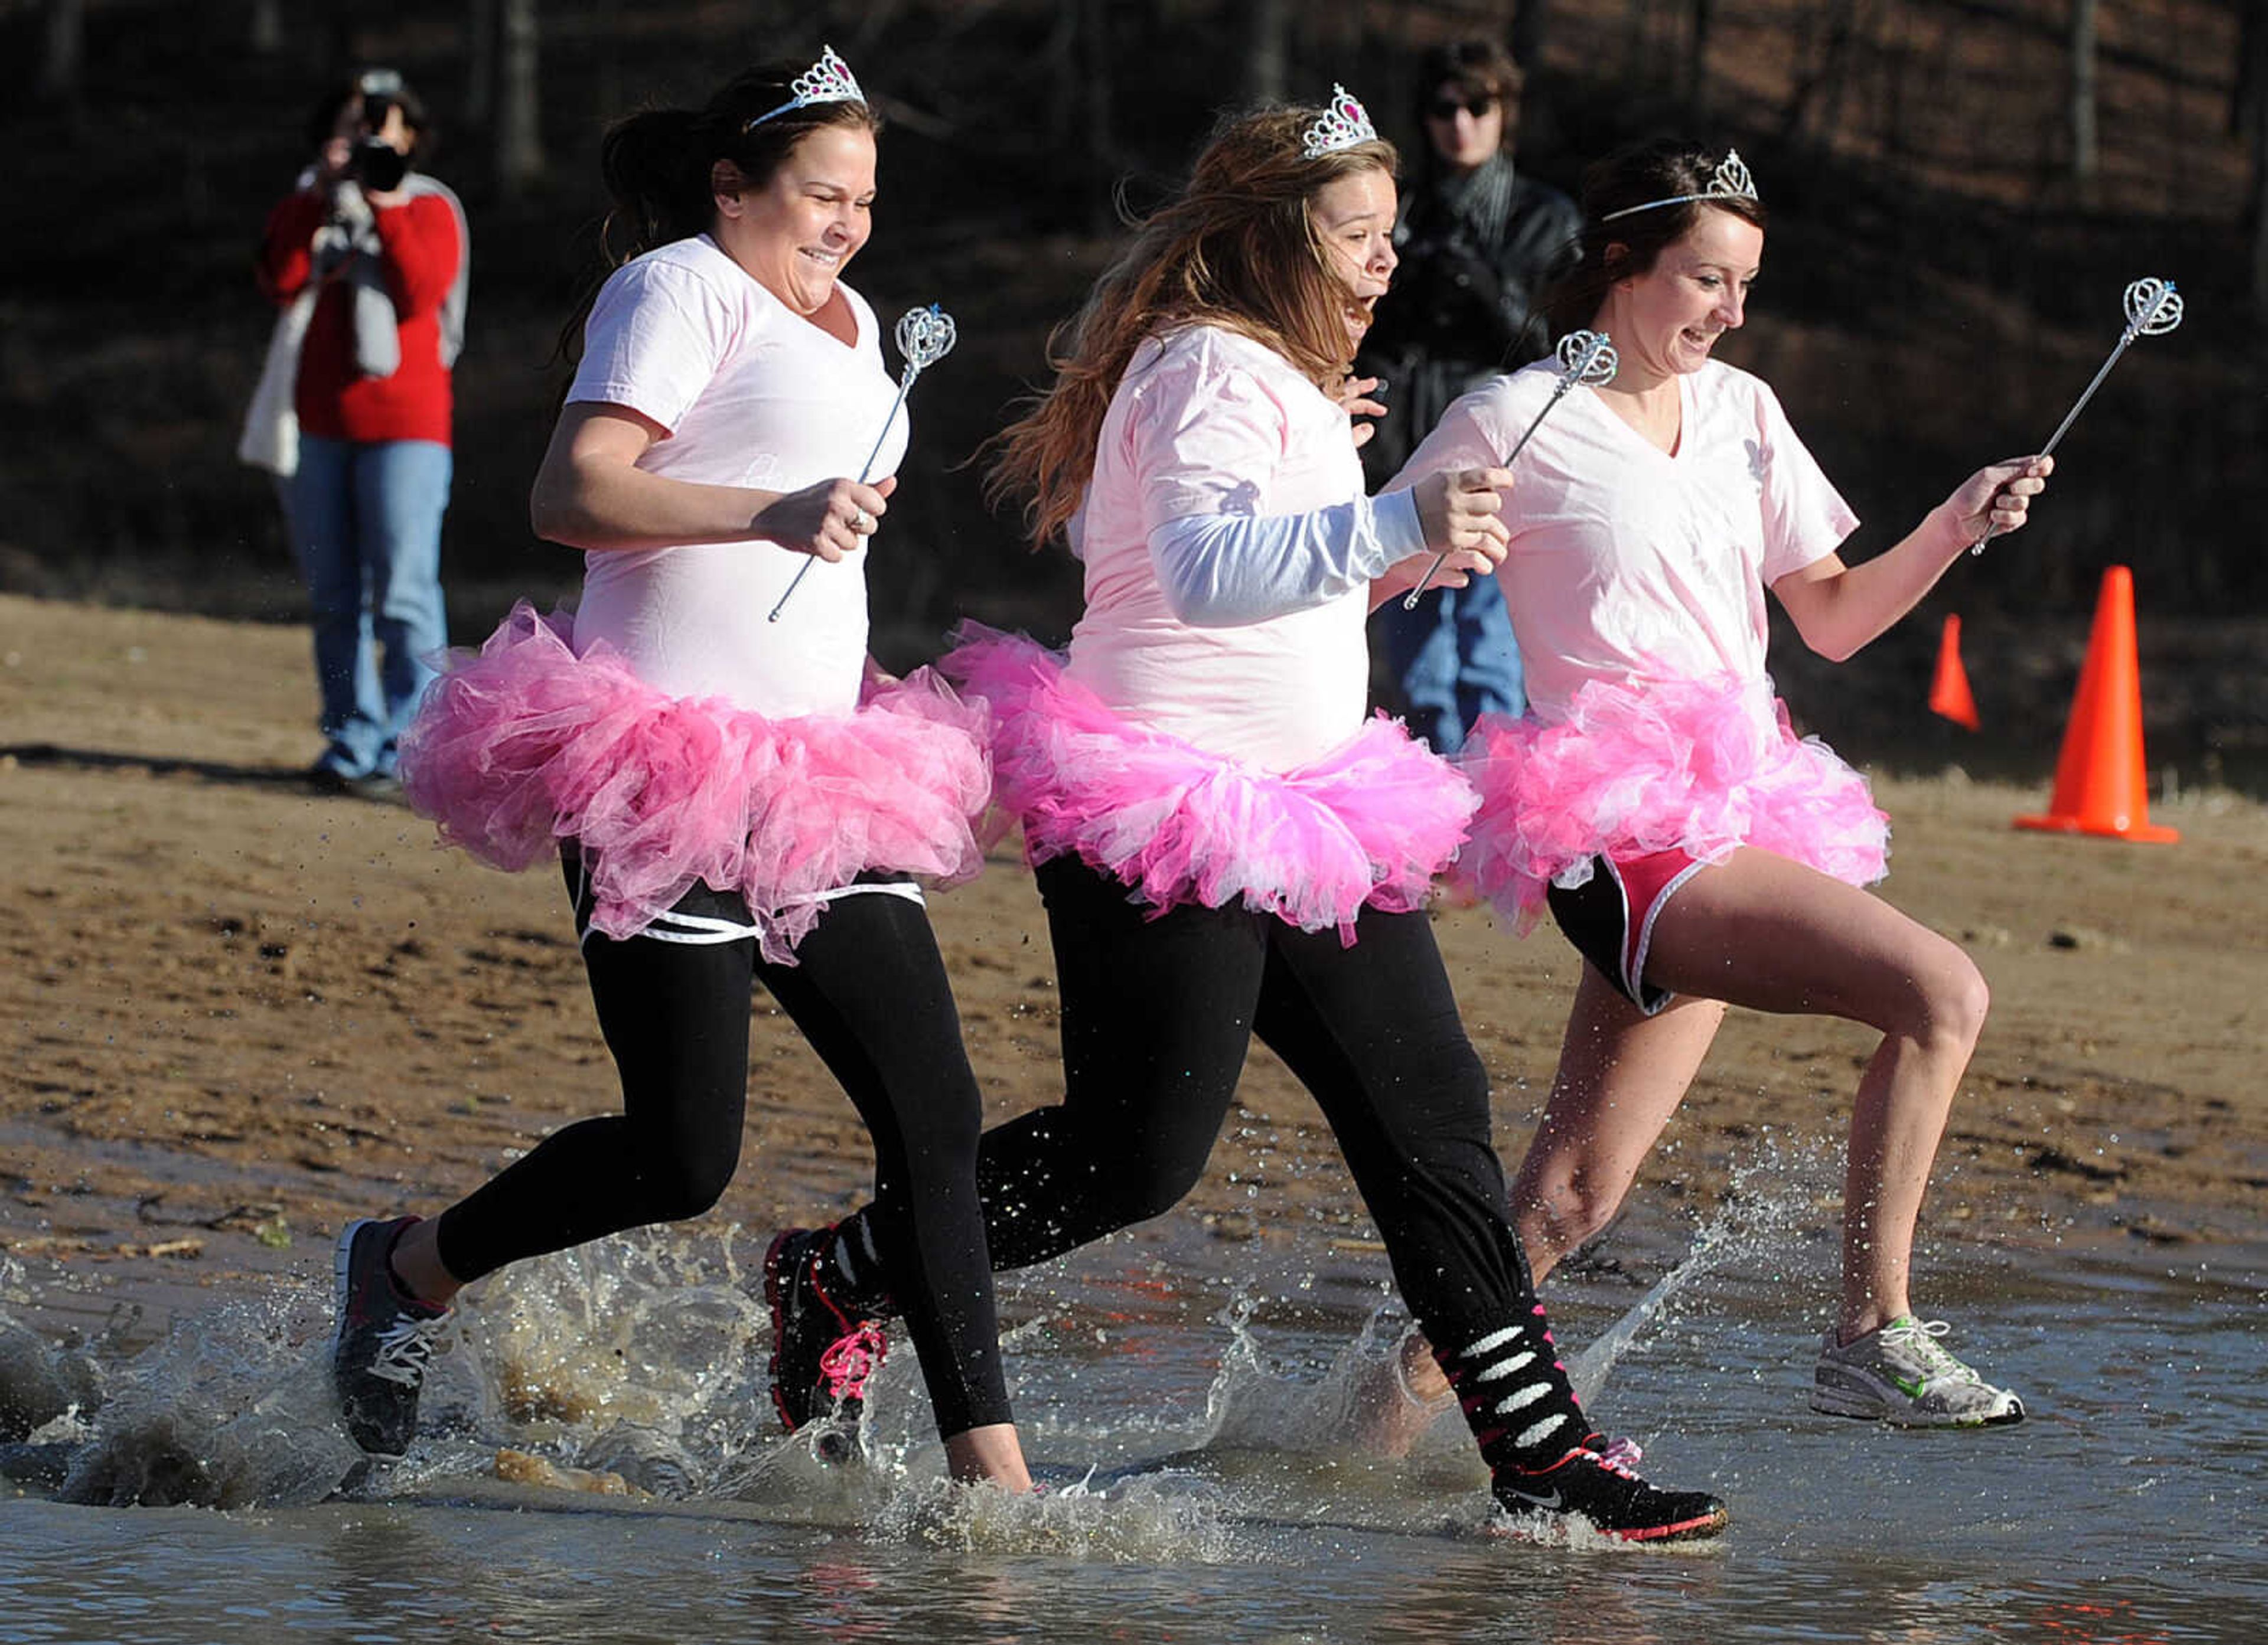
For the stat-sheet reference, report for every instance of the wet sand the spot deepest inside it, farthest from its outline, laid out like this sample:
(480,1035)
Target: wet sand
(238,1013)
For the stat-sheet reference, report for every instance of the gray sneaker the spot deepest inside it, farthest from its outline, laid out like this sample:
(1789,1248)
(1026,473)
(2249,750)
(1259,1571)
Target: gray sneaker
(1899,1374)
(384,1338)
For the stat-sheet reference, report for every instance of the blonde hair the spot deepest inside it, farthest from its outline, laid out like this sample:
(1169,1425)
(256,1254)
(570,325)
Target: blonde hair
(1238,247)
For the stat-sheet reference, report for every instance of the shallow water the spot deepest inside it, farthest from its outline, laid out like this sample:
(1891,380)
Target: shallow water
(1186,1400)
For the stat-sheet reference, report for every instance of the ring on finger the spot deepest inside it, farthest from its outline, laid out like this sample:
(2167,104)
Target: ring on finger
(861,522)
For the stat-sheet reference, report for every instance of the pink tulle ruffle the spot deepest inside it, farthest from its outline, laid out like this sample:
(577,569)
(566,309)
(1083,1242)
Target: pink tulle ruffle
(1372,823)
(1699,766)
(526,745)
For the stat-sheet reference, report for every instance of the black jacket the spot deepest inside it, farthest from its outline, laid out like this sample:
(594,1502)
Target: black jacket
(1476,252)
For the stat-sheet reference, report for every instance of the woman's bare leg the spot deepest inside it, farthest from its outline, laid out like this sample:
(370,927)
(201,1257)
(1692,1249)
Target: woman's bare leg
(991,1452)
(1767,933)
(1622,1075)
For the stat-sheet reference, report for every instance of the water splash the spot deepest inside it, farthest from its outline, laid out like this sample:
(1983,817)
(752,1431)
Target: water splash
(226,1410)
(1772,1196)
(1360,1407)
(42,1383)
(1168,1518)
(642,1355)
(641,1359)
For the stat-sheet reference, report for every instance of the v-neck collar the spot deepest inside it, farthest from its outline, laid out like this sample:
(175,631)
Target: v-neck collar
(1684,420)
(857,326)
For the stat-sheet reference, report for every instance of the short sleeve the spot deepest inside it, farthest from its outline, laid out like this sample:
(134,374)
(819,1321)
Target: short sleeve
(1805,519)
(1468,436)
(657,335)
(1205,436)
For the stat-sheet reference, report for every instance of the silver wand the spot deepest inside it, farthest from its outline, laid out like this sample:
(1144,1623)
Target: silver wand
(924,337)
(2153,309)
(1585,357)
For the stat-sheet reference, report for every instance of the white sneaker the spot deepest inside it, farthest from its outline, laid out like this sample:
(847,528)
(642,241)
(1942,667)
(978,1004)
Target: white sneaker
(1899,1374)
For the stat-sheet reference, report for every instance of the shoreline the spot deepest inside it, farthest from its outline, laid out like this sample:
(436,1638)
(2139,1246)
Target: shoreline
(238,1007)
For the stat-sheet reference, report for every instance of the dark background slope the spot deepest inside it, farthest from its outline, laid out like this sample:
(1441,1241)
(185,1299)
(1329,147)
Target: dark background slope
(1937,287)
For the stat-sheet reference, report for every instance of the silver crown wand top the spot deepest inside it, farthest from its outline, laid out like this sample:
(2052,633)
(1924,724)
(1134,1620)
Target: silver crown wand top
(1585,357)
(924,337)
(2153,309)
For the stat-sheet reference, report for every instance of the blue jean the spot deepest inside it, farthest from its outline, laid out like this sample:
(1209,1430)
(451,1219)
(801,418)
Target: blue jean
(365,524)
(1451,660)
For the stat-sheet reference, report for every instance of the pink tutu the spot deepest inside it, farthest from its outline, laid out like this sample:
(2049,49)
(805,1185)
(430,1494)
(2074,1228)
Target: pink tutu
(1701,766)
(527,744)
(1372,823)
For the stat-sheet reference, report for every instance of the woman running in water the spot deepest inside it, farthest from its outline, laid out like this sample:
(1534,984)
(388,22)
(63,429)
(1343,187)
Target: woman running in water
(1655,801)
(1225,846)
(734,800)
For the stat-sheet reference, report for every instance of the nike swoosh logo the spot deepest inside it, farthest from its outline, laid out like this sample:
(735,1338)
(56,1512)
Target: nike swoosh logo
(1530,1497)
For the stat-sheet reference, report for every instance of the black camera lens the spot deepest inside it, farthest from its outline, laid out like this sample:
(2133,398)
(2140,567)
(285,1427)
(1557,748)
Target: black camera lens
(378,166)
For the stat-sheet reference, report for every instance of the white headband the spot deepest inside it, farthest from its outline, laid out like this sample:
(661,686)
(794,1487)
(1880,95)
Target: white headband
(1729,181)
(829,80)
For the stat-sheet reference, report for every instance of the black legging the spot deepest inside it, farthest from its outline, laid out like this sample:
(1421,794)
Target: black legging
(870,993)
(1157,1018)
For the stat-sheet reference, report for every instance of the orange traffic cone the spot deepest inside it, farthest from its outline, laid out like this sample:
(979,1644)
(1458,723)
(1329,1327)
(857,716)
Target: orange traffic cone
(1949,692)
(2100,785)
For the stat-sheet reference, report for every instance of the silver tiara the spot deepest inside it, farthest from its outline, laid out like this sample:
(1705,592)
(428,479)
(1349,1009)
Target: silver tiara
(1729,181)
(1342,125)
(829,80)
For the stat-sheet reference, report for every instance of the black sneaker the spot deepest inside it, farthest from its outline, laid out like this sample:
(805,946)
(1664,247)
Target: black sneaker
(823,1352)
(383,1341)
(1603,1490)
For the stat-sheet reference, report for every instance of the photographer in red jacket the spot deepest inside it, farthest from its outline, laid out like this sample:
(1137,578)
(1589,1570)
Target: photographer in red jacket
(367,258)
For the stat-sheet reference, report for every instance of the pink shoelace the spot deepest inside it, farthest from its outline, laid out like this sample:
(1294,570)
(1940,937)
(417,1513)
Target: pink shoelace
(850,1360)
(1620,1455)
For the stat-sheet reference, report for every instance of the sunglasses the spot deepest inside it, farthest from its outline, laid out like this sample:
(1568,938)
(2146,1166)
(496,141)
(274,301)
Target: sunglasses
(1448,108)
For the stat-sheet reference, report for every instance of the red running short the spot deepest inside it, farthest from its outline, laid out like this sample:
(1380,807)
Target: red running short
(1610,917)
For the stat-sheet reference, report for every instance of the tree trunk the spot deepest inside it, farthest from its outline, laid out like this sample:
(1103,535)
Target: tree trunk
(2084,156)
(1268,62)
(1697,59)
(1100,75)
(1636,18)
(1817,108)
(519,130)
(480,25)
(1530,23)
(2254,46)
(64,56)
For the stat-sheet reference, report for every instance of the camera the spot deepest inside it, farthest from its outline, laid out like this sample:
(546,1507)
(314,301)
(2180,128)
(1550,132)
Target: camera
(378,167)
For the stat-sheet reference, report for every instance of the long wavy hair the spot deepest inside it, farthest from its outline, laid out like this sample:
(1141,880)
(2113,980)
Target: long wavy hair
(1659,169)
(1237,247)
(659,165)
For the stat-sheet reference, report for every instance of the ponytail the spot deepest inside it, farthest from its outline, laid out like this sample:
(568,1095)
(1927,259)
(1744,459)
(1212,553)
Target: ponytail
(657,176)
(659,166)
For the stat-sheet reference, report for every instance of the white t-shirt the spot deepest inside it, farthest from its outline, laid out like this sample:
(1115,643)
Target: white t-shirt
(1208,421)
(751,394)
(1627,562)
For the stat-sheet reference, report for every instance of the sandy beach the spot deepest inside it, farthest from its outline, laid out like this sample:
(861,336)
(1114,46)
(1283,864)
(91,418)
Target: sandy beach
(238,1013)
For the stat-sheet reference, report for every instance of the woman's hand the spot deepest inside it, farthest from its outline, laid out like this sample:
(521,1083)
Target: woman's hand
(1999,496)
(1354,394)
(828,520)
(1461,511)
(875,678)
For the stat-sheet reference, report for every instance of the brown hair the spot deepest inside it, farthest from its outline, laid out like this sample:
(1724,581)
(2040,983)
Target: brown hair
(1659,169)
(659,166)
(1236,247)
(1477,65)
